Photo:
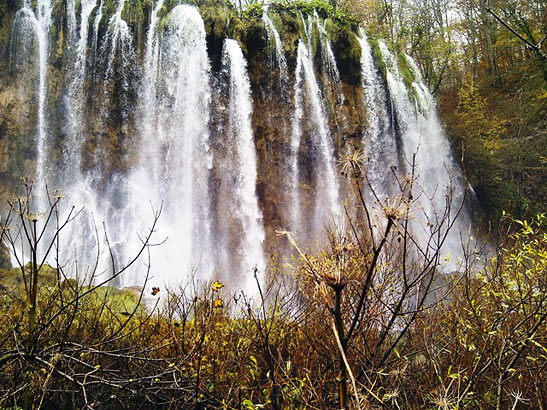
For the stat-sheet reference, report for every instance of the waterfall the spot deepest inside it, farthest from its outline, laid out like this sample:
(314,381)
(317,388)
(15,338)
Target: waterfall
(32,25)
(71,20)
(77,97)
(175,158)
(278,51)
(118,43)
(84,247)
(98,243)
(150,74)
(438,179)
(73,182)
(115,96)
(444,169)
(308,100)
(96,23)
(327,54)
(160,121)
(380,144)
(332,83)
(294,172)
(240,199)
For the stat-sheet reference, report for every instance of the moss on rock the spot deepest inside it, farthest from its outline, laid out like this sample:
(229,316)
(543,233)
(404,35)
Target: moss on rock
(347,50)
(405,70)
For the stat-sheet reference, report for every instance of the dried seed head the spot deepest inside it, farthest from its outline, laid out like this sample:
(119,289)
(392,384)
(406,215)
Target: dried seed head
(352,163)
(394,210)
(57,195)
(34,216)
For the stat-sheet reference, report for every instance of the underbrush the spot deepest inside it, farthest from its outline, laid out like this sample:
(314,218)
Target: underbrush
(370,322)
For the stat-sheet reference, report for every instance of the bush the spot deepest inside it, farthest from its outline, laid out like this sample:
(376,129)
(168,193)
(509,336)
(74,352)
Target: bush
(367,323)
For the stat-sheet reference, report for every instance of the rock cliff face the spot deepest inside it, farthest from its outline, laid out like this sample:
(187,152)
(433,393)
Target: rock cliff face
(122,104)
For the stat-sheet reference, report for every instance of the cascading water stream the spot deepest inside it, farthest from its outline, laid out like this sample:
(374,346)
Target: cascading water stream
(380,144)
(77,98)
(437,146)
(121,71)
(326,49)
(119,37)
(438,180)
(85,249)
(150,74)
(71,20)
(373,91)
(40,22)
(30,43)
(308,96)
(168,131)
(296,132)
(96,23)
(403,109)
(175,159)
(118,43)
(76,184)
(242,173)
(279,116)
(278,51)
(332,86)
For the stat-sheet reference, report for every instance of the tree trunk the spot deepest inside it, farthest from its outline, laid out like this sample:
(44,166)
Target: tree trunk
(488,35)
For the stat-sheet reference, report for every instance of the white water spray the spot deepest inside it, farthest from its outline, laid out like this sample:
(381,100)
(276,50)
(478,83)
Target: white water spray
(119,41)
(77,98)
(438,179)
(380,144)
(244,203)
(175,159)
(328,59)
(35,24)
(308,96)
(278,51)
(96,24)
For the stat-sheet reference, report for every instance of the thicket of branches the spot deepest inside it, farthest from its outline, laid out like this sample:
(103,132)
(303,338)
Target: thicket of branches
(371,322)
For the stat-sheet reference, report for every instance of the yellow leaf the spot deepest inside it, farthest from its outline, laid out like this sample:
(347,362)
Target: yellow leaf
(217,286)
